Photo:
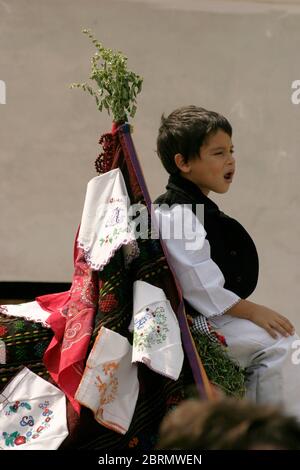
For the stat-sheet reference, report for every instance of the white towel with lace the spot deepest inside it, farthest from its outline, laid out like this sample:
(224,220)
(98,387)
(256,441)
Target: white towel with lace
(32,414)
(29,310)
(109,386)
(105,225)
(156,332)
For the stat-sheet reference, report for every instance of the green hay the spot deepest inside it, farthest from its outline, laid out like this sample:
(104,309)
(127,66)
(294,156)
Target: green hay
(221,370)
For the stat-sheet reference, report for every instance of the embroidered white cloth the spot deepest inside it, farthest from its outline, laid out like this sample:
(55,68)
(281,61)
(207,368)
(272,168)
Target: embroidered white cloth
(156,332)
(109,386)
(32,414)
(29,310)
(104,225)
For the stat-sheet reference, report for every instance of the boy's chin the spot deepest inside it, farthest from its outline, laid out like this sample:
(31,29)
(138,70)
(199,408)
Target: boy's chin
(220,190)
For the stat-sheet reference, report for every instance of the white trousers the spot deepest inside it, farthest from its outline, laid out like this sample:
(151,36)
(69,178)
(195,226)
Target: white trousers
(273,373)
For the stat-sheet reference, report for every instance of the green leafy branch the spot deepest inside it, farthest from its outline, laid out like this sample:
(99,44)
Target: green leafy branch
(117,87)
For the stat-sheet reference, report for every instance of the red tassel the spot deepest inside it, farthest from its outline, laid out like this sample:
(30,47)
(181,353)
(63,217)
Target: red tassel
(104,161)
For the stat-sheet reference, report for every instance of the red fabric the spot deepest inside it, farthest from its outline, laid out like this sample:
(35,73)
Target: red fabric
(71,318)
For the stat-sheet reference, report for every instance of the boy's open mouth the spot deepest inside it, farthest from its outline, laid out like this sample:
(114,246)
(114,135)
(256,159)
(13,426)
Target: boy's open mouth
(229,175)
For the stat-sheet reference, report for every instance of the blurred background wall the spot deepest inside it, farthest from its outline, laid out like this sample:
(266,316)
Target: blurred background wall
(236,57)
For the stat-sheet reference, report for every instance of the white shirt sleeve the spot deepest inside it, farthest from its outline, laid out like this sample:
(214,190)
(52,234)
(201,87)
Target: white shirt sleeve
(199,277)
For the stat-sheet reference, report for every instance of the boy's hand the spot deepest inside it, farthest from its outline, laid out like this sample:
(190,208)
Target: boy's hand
(268,319)
(271,321)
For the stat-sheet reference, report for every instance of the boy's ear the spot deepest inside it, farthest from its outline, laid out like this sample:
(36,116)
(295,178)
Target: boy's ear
(181,164)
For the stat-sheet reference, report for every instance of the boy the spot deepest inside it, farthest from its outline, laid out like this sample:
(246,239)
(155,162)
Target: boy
(195,147)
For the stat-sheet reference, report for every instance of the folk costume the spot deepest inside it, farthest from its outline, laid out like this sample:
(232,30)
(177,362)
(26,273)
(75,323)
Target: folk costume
(213,277)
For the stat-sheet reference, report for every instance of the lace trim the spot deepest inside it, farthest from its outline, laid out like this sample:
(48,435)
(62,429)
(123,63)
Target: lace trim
(225,310)
(34,319)
(229,307)
(100,266)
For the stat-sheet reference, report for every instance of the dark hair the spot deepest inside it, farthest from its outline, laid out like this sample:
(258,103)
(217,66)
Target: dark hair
(228,424)
(184,131)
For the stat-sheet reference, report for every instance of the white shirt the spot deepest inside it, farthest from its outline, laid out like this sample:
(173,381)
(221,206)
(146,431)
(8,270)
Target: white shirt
(199,277)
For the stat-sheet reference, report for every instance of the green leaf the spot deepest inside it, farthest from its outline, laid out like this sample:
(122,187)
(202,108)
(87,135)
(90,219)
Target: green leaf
(118,86)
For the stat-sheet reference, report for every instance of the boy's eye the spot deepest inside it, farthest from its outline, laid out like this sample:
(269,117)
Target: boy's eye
(222,152)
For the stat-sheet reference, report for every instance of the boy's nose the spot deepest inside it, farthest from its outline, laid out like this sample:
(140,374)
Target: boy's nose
(231,158)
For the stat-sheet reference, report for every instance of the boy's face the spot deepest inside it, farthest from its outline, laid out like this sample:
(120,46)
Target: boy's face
(214,170)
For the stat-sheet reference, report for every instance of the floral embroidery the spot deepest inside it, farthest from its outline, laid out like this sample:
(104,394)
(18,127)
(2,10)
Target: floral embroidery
(71,310)
(27,421)
(116,199)
(108,391)
(15,438)
(89,293)
(109,368)
(110,238)
(17,406)
(71,332)
(151,328)
(44,405)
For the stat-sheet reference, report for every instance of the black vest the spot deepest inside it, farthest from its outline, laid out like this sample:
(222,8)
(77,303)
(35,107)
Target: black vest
(232,248)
